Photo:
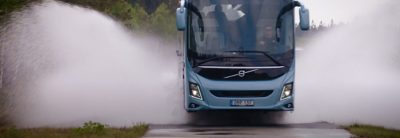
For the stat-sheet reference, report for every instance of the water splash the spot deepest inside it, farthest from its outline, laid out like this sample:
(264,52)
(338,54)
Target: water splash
(350,74)
(67,65)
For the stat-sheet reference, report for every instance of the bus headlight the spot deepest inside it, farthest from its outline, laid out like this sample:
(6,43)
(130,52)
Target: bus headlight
(287,91)
(194,91)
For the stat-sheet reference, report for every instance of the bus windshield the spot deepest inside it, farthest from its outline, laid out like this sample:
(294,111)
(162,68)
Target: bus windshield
(240,33)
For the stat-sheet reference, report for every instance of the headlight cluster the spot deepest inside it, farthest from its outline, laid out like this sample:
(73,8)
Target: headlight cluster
(287,91)
(194,91)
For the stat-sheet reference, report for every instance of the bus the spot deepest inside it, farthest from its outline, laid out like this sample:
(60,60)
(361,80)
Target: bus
(239,54)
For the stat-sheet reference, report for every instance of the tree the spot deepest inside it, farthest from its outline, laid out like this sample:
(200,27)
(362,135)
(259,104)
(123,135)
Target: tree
(313,25)
(332,23)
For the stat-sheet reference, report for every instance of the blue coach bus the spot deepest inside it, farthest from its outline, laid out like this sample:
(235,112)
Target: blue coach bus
(239,54)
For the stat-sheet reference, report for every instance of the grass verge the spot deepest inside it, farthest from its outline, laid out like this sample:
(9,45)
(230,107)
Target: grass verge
(368,131)
(88,130)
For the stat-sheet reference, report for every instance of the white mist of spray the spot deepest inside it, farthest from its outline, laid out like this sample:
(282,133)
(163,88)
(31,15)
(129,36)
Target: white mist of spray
(350,74)
(78,65)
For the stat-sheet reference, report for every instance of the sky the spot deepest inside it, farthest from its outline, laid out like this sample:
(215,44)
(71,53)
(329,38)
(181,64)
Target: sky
(340,10)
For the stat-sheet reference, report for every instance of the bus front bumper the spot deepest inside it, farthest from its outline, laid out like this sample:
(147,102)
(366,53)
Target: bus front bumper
(194,104)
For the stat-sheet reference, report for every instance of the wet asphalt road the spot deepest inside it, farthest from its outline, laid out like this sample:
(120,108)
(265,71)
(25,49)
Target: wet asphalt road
(311,130)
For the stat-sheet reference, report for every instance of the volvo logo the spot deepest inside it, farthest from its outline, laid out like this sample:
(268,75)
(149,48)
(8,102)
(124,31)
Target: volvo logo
(241,73)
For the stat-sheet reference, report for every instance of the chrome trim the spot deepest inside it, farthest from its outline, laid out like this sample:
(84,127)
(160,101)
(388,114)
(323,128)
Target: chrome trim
(221,67)
(241,74)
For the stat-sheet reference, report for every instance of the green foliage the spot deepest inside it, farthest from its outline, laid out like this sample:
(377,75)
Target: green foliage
(9,133)
(7,6)
(139,18)
(163,21)
(367,131)
(88,130)
(133,15)
(91,128)
(138,130)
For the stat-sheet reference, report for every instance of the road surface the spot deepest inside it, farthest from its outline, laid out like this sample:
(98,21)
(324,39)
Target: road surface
(312,130)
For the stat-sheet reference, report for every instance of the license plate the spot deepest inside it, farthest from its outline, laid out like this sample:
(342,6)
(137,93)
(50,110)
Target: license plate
(242,103)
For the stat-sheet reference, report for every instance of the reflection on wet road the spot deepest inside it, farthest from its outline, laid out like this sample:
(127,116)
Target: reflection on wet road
(313,130)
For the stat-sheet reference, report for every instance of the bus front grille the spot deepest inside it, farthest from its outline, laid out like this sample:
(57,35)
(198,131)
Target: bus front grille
(243,94)
(233,74)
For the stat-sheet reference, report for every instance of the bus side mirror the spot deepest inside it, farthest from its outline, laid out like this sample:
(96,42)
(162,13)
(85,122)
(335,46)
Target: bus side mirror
(181,14)
(304,18)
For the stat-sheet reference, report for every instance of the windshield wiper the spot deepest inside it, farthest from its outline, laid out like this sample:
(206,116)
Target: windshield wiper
(260,52)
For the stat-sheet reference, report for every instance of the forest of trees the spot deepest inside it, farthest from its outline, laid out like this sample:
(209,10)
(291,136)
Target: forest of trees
(8,6)
(154,17)
(149,16)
